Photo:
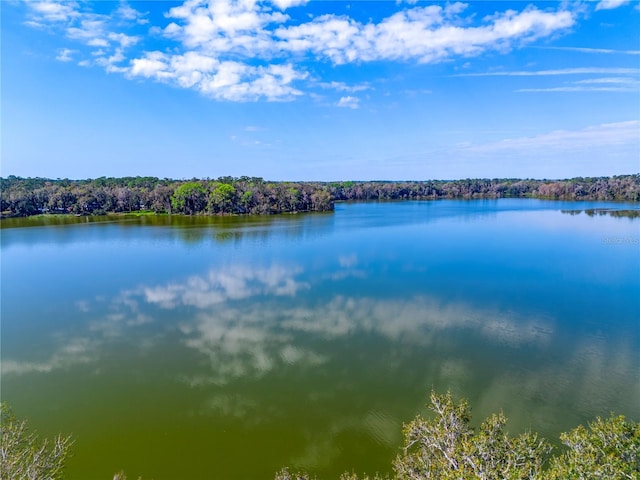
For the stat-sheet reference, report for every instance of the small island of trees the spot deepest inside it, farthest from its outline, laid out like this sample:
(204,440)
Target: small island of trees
(21,197)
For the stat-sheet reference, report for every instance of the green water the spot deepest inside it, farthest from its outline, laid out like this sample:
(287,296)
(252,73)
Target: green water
(202,348)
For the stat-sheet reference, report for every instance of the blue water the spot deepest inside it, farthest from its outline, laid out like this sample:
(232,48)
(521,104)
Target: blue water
(172,346)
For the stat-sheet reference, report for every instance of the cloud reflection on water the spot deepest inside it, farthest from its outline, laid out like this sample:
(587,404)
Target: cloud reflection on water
(241,327)
(75,351)
(586,381)
(414,320)
(243,338)
(233,283)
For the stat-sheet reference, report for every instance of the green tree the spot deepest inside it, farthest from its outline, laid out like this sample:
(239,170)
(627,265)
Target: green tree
(247,200)
(23,456)
(189,198)
(447,447)
(222,198)
(607,449)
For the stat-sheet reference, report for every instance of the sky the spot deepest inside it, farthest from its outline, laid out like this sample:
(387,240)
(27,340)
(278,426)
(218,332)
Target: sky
(320,90)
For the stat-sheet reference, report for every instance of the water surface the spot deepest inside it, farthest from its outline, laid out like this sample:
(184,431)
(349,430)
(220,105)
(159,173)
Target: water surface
(176,347)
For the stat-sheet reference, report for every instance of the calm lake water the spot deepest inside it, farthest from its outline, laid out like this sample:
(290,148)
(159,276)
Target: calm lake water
(230,347)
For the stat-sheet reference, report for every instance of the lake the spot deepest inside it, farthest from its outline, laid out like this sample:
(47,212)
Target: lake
(200,348)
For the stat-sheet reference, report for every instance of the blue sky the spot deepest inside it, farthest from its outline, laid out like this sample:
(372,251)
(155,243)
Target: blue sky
(320,90)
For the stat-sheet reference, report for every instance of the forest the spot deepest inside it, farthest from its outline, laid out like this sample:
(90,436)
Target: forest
(20,197)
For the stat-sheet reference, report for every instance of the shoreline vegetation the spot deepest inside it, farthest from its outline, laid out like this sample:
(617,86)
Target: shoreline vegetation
(443,446)
(24,197)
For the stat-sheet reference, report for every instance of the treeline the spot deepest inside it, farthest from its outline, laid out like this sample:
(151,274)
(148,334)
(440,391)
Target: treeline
(226,195)
(253,195)
(623,188)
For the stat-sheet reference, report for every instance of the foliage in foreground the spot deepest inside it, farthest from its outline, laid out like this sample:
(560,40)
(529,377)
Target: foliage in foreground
(446,447)
(443,447)
(24,456)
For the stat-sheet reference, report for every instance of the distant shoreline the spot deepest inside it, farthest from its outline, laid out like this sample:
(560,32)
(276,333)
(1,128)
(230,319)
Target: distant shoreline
(24,197)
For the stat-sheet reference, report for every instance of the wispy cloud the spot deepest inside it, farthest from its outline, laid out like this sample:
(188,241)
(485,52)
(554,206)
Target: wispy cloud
(126,12)
(626,89)
(349,102)
(65,55)
(597,136)
(630,84)
(610,4)
(48,12)
(555,72)
(343,87)
(593,50)
(609,80)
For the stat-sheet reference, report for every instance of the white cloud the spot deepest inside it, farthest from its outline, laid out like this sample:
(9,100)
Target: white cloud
(343,87)
(349,102)
(609,80)
(610,4)
(91,30)
(110,63)
(65,55)
(246,50)
(227,80)
(336,38)
(223,25)
(123,39)
(127,12)
(153,65)
(52,12)
(284,4)
(97,42)
(426,34)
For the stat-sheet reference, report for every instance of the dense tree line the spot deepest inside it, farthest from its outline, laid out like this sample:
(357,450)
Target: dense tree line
(623,187)
(226,195)
(251,195)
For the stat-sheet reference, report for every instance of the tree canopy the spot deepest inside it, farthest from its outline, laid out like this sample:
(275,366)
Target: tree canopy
(252,195)
(21,197)
(446,447)
(24,456)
